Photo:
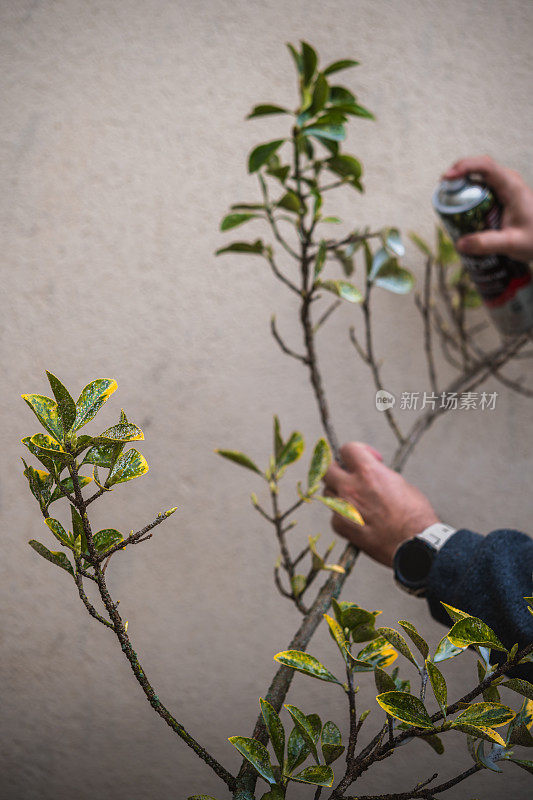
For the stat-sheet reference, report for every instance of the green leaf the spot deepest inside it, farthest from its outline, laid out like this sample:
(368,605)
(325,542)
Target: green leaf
(472,630)
(266,109)
(296,57)
(387,273)
(232,220)
(350,615)
(261,154)
(239,458)
(527,765)
(339,95)
(342,289)
(130,464)
(397,641)
(454,613)
(59,532)
(486,715)
(68,486)
(321,775)
(65,404)
(342,507)
(438,685)
(291,202)
(57,558)
(91,399)
(298,584)
(291,452)
(256,754)
(106,538)
(275,729)
(309,63)
(446,253)
(346,166)
(103,455)
(123,432)
(320,462)
(336,66)
(393,242)
(355,110)
(320,95)
(308,665)
(525,688)
(384,682)
(45,459)
(435,742)
(52,448)
(446,650)
(479,732)
(335,133)
(405,707)
(278,441)
(419,642)
(46,411)
(421,244)
(305,728)
(274,794)
(252,248)
(334,220)
(78,529)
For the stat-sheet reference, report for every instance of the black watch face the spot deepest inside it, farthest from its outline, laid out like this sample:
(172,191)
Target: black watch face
(412,564)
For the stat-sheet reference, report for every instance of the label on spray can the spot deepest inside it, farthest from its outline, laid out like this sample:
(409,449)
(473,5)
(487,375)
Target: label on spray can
(505,285)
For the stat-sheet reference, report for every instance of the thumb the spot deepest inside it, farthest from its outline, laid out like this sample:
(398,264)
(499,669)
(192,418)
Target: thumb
(485,243)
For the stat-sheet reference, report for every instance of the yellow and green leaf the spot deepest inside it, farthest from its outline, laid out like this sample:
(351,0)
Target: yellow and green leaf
(129,465)
(91,399)
(46,411)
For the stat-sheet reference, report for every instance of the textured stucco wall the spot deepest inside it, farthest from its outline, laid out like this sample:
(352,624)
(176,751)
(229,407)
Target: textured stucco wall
(123,142)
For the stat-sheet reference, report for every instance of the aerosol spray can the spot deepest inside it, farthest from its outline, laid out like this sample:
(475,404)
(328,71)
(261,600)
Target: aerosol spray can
(505,285)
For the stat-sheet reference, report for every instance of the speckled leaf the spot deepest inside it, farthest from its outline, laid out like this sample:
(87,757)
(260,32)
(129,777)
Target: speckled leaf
(103,455)
(353,616)
(321,775)
(256,754)
(130,464)
(297,750)
(319,463)
(419,642)
(91,399)
(77,528)
(291,452)
(446,650)
(472,630)
(275,729)
(486,715)
(421,244)
(106,538)
(50,448)
(384,682)
(397,641)
(435,742)
(525,688)
(343,508)
(59,532)
(338,636)
(68,486)
(303,662)
(405,707)
(332,747)
(479,732)
(123,432)
(527,765)
(239,458)
(454,613)
(45,459)
(438,685)
(305,728)
(82,443)
(65,404)
(46,411)
(40,483)
(343,289)
(262,153)
(251,248)
(57,558)
(377,653)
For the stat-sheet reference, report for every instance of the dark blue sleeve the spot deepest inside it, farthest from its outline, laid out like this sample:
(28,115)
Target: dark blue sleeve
(488,577)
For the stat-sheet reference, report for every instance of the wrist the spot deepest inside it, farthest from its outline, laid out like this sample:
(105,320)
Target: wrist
(414,558)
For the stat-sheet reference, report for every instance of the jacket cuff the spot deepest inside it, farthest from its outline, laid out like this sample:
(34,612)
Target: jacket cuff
(448,569)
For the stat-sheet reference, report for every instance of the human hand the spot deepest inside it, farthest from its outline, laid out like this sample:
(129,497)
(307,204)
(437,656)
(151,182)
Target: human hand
(392,509)
(515,239)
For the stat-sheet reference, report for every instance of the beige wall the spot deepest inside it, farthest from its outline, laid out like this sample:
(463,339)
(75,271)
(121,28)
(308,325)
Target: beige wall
(123,142)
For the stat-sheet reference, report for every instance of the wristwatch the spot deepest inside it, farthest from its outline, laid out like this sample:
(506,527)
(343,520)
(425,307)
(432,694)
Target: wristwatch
(414,557)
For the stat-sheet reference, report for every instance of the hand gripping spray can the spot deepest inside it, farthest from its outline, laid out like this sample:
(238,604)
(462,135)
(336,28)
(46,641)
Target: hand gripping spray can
(505,285)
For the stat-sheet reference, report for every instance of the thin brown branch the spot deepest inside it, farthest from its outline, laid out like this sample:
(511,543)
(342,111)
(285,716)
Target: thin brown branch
(277,272)
(327,313)
(273,224)
(358,346)
(134,538)
(287,350)
(86,602)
